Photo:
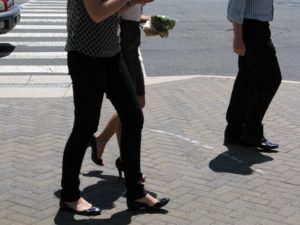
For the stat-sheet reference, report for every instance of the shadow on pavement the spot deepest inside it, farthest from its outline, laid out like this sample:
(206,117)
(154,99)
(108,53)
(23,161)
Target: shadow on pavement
(6,49)
(239,159)
(123,217)
(103,194)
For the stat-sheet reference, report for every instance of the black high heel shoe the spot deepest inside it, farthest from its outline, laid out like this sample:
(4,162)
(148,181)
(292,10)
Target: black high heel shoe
(93,211)
(134,205)
(94,157)
(120,168)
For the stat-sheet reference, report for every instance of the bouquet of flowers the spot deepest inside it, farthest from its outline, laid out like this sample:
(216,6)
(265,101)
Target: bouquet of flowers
(159,25)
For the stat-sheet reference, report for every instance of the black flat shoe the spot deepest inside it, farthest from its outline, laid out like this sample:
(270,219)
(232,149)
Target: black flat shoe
(134,205)
(264,144)
(93,211)
(261,143)
(94,157)
(267,145)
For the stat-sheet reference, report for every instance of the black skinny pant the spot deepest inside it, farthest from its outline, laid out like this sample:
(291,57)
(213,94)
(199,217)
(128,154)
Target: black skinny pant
(256,83)
(111,77)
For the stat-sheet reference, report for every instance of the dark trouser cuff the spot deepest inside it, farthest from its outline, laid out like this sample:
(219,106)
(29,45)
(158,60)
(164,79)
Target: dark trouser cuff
(135,192)
(70,196)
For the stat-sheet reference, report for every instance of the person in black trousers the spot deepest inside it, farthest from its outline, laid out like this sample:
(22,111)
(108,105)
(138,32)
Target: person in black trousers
(96,67)
(259,75)
(130,21)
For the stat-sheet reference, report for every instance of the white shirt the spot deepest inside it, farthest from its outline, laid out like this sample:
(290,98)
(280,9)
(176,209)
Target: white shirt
(133,13)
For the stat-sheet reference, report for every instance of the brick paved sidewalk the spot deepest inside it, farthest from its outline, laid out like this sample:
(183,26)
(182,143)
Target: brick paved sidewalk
(182,157)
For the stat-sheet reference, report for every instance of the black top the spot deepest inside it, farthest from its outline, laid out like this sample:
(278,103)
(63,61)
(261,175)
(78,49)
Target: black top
(90,38)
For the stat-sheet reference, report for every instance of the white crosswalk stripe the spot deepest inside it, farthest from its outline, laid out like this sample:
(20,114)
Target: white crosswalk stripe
(42,7)
(35,55)
(35,34)
(42,20)
(53,2)
(39,43)
(36,44)
(41,27)
(53,15)
(33,69)
(43,10)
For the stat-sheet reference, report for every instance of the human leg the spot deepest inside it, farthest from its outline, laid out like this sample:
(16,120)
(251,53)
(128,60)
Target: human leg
(99,142)
(118,162)
(88,94)
(269,80)
(113,126)
(263,62)
(122,95)
(130,41)
(81,207)
(239,103)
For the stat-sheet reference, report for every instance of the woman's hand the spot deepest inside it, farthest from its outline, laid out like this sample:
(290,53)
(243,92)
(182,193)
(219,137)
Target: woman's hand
(99,10)
(144,18)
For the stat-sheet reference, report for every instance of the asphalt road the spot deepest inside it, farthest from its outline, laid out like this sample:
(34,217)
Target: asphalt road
(201,42)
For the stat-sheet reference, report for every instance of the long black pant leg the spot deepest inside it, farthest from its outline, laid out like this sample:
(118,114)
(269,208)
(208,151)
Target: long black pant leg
(122,94)
(240,101)
(88,88)
(263,62)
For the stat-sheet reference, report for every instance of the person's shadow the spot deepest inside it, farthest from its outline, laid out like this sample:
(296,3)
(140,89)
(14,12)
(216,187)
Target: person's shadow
(102,194)
(238,160)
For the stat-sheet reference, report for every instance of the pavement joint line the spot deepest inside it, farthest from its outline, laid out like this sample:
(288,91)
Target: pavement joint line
(197,143)
(34,85)
(55,79)
(49,86)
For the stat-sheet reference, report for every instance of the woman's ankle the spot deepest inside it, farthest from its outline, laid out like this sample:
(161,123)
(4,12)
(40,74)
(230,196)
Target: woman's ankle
(79,205)
(147,199)
(101,143)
